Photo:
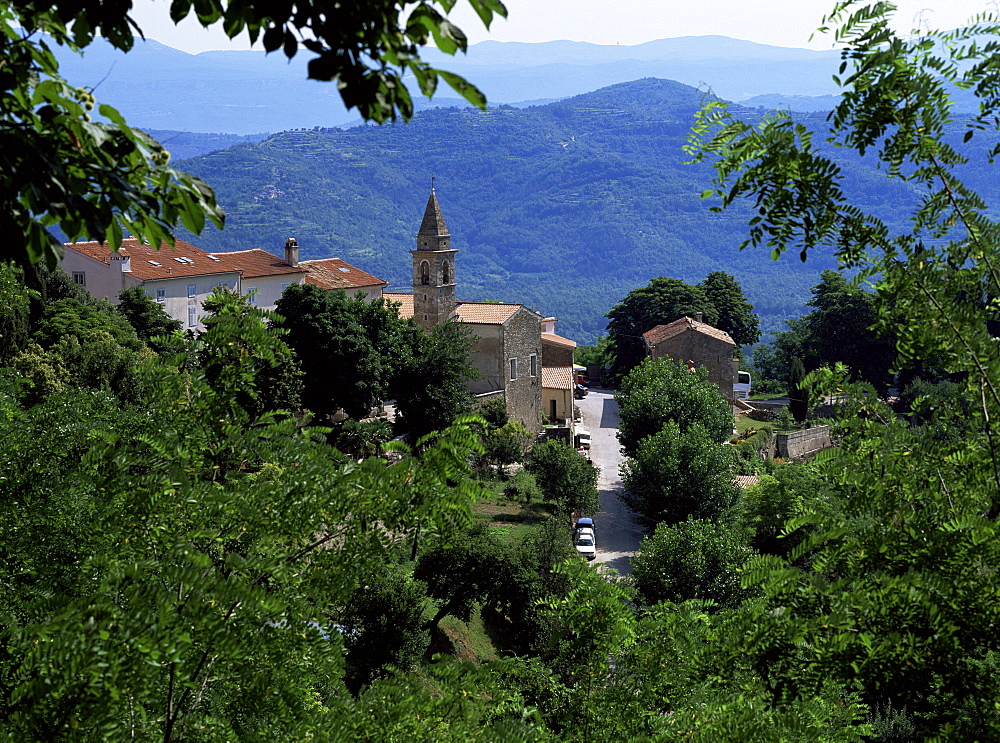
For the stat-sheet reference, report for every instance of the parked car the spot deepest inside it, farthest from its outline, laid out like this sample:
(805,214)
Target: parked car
(580,391)
(584,522)
(585,542)
(582,439)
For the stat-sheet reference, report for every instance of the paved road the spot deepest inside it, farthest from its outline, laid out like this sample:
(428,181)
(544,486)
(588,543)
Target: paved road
(618,535)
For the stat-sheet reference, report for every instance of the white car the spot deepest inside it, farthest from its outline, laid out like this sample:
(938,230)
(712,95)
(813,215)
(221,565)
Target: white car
(583,439)
(585,543)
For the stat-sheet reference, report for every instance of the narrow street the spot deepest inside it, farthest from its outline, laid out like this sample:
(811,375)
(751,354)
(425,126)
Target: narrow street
(618,535)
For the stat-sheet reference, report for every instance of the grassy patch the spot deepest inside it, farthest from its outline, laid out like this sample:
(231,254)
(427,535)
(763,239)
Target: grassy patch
(744,424)
(513,518)
(469,641)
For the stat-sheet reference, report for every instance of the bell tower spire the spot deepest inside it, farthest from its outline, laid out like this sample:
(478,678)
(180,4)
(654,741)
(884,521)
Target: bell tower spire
(433,268)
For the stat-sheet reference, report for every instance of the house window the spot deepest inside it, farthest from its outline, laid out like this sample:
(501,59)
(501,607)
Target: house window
(533,365)
(223,285)
(161,295)
(192,316)
(513,369)
(192,291)
(252,295)
(425,273)
(80,277)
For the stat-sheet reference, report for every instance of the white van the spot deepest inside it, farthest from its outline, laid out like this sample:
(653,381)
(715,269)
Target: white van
(741,390)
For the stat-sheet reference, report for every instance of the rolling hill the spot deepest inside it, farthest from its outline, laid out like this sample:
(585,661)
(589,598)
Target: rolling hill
(566,206)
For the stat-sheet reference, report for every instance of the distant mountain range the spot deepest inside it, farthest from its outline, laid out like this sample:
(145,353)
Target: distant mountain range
(249,92)
(565,207)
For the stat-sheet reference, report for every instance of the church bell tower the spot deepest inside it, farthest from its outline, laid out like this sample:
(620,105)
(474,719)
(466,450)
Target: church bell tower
(433,269)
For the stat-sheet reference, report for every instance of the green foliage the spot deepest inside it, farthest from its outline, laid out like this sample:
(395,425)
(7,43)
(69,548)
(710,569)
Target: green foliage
(166,572)
(14,311)
(787,493)
(798,392)
(695,559)
(734,313)
(465,569)
(362,439)
(507,444)
(660,303)
(597,355)
(658,392)
(565,478)
(147,317)
(678,474)
(348,348)
(239,350)
(431,387)
(72,317)
(383,625)
(494,412)
(894,595)
(523,487)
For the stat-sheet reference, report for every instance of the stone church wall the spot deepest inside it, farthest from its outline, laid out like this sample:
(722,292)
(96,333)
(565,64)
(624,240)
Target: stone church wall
(523,338)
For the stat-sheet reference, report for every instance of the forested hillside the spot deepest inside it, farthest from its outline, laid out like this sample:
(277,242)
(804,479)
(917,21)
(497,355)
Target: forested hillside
(565,207)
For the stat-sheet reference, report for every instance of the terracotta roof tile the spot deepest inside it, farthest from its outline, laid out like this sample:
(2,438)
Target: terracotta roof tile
(486,313)
(558,340)
(333,273)
(405,302)
(149,264)
(256,263)
(557,377)
(662,332)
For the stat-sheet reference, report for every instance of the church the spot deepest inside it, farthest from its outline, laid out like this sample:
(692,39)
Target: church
(508,350)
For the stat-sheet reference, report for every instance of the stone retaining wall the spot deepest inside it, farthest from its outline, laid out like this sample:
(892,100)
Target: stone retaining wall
(802,443)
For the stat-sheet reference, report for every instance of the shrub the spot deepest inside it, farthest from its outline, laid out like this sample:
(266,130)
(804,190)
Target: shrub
(697,559)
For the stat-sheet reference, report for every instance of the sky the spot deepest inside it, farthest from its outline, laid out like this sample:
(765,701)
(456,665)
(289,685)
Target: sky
(787,23)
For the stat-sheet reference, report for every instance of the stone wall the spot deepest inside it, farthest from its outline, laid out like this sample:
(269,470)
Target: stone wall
(802,443)
(487,358)
(704,350)
(522,340)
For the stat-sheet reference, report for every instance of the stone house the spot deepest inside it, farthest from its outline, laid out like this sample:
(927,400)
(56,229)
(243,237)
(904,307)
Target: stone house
(508,350)
(693,341)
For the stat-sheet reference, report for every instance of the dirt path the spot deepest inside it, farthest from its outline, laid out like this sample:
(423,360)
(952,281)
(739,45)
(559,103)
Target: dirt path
(618,535)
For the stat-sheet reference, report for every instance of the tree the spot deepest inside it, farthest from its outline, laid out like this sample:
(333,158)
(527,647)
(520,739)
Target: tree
(102,180)
(661,302)
(72,317)
(348,348)
(696,559)
(180,560)
(892,599)
(565,478)
(840,329)
(734,313)
(658,392)
(431,387)
(14,311)
(262,370)
(147,318)
(678,474)
(463,570)
(798,391)
(383,625)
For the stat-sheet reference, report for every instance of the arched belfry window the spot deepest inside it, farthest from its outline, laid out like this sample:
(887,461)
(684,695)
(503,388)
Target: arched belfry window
(425,273)
(445,273)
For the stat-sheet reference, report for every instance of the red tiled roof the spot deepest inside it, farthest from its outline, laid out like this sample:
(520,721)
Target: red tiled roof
(150,264)
(333,273)
(557,377)
(558,340)
(486,313)
(256,263)
(405,302)
(662,332)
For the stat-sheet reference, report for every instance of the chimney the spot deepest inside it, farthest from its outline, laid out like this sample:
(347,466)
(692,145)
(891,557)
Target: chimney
(292,252)
(697,317)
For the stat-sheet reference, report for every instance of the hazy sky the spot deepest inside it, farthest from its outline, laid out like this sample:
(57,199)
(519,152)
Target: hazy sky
(778,22)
